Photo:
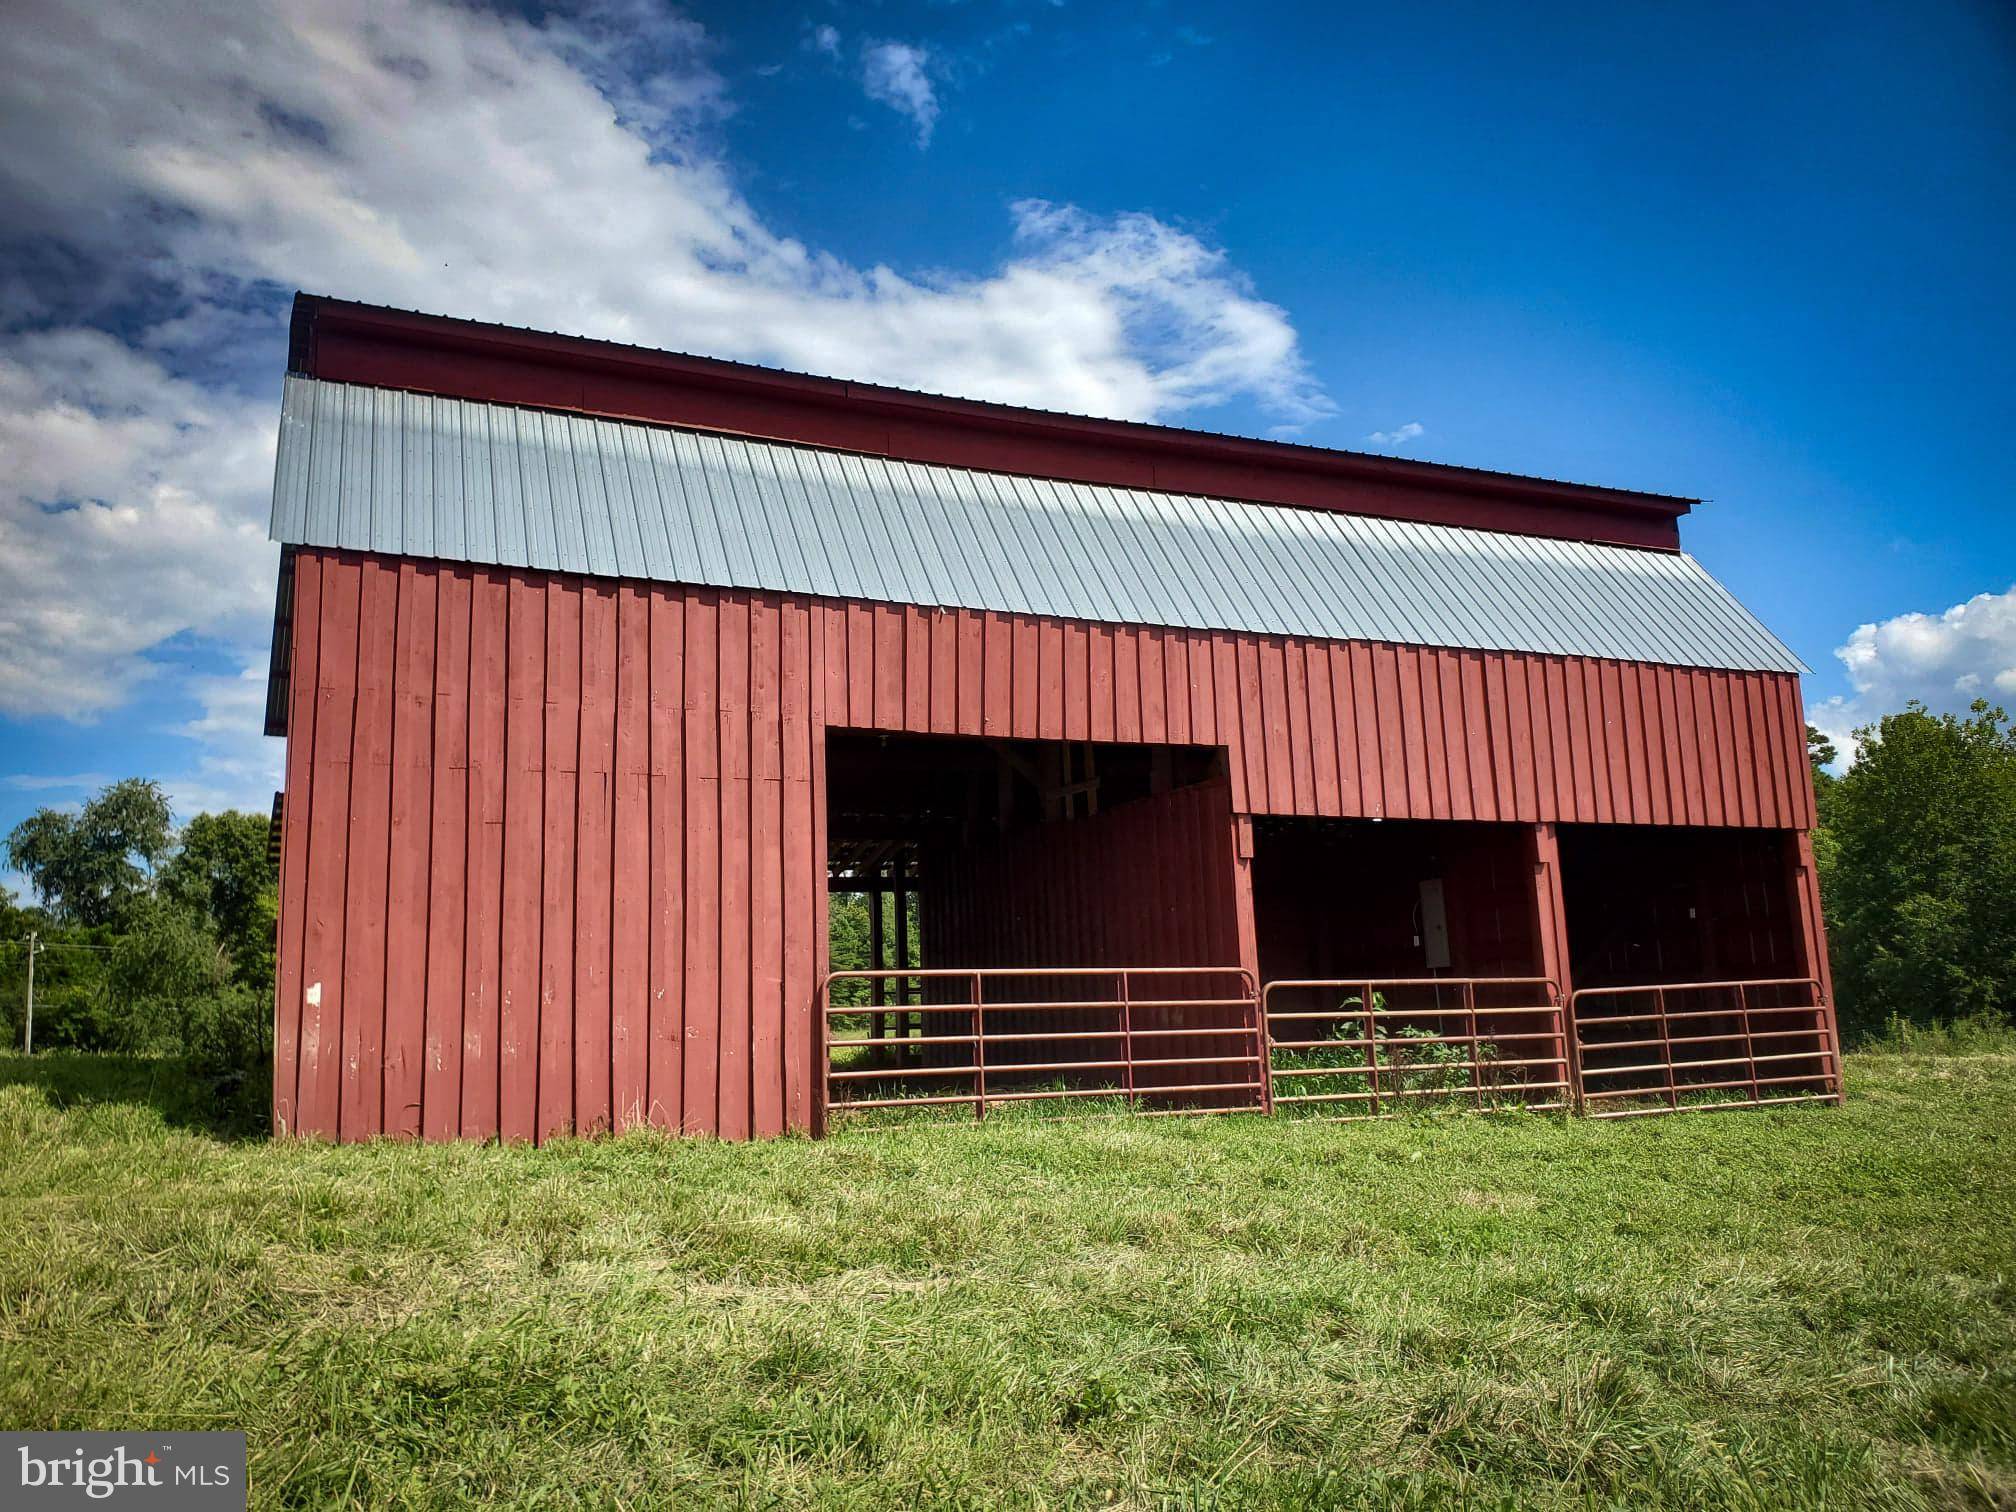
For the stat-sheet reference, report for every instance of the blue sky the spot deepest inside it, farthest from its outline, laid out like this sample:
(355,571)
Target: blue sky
(1755,254)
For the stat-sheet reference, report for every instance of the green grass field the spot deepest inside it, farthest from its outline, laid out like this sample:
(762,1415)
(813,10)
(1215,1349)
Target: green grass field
(1800,1308)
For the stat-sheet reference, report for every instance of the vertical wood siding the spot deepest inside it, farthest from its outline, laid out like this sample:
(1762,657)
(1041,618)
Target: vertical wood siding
(555,847)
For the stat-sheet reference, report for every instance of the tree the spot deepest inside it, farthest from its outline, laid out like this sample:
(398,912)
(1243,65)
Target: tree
(91,867)
(223,870)
(1922,869)
(1822,753)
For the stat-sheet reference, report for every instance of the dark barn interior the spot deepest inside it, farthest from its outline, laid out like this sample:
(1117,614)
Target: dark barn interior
(1019,859)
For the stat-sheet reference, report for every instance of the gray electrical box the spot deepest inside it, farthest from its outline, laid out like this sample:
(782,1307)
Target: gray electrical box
(1434,926)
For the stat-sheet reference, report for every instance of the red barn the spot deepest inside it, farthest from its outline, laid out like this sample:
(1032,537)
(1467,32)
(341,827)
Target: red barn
(1204,773)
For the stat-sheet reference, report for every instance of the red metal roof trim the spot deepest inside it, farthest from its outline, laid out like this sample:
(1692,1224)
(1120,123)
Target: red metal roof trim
(368,344)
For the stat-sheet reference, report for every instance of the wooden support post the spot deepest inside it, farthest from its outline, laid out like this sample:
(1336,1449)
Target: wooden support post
(1803,878)
(878,960)
(903,1014)
(1550,937)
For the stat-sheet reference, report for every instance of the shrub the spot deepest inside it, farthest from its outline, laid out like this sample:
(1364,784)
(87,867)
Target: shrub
(227,1051)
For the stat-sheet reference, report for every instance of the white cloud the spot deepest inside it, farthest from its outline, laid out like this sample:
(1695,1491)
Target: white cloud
(215,155)
(896,74)
(1944,661)
(1399,435)
(236,765)
(37,782)
(826,39)
(132,507)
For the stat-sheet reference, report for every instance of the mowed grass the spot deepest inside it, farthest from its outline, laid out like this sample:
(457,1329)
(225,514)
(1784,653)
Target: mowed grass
(1800,1308)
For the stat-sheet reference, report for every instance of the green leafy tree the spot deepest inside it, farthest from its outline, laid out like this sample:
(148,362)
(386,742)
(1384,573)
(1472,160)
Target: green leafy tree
(222,871)
(166,962)
(1921,870)
(92,867)
(1822,753)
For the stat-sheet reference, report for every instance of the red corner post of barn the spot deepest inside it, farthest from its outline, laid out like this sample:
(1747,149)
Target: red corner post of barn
(611,679)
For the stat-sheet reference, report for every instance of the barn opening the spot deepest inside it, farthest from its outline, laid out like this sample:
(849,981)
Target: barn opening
(1689,954)
(1402,961)
(1032,922)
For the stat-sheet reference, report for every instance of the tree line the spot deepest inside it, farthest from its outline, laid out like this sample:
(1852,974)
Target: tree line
(151,939)
(1916,848)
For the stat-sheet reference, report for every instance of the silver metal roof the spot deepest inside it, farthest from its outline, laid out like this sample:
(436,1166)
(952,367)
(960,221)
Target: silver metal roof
(368,469)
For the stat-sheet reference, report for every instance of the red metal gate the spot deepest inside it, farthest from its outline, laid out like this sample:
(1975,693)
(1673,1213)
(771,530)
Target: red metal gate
(1695,1047)
(1151,1039)
(1372,1048)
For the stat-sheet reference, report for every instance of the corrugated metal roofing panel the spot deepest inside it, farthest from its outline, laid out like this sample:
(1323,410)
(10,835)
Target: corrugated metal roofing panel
(405,474)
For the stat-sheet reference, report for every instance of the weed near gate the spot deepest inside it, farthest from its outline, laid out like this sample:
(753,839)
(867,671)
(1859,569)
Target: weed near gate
(1795,1308)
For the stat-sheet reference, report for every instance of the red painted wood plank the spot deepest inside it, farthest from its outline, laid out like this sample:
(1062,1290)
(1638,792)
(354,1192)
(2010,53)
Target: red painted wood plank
(797,696)
(970,632)
(630,926)
(735,864)
(1165,701)
(1637,762)
(411,1043)
(1560,744)
(1100,691)
(595,864)
(1434,731)
(1366,731)
(559,817)
(1413,741)
(1263,687)
(1249,791)
(362,1111)
(303,686)
(1129,642)
(1301,762)
(1026,678)
(450,882)
(1519,722)
(1701,694)
(1050,680)
(1734,744)
(1322,727)
(888,662)
(997,675)
(916,715)
(1498,720)
(490,755)
(1203,682)
(1601,757)
(1351,798)
(321,1046)
(766,860)
(1585,715)
(523,905)
(1392,732)
(814,1052)
(1778,768)
(1571,765)
(863,622)
(942,628)
(1448,740)
(1670,744)
(702,1102)
(1543,740)
(669,991)
(1077,654)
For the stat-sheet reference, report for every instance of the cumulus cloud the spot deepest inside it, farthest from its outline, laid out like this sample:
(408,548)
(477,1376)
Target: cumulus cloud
(896,74)
(1944,660)
(132,508)
(826,39)
(562,173)
(1399,435)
